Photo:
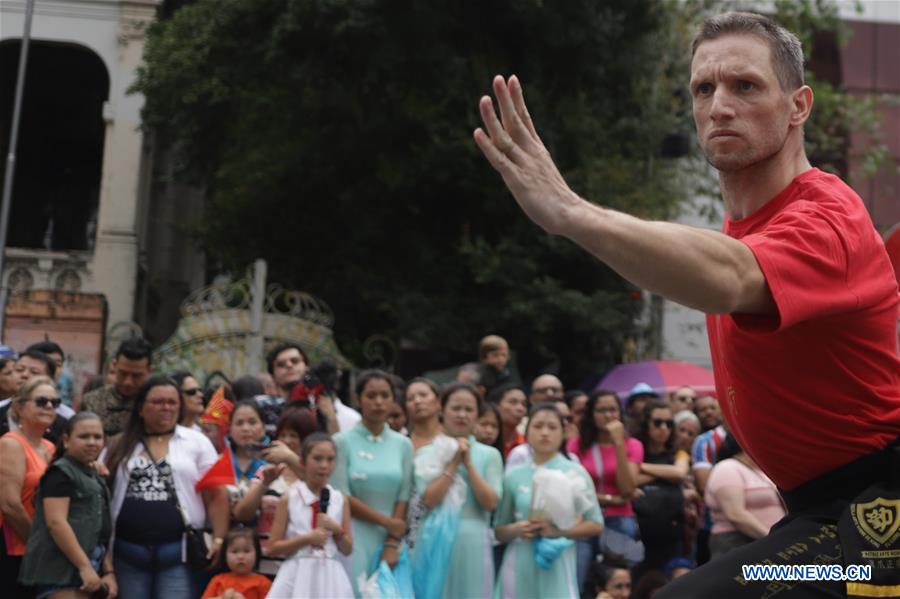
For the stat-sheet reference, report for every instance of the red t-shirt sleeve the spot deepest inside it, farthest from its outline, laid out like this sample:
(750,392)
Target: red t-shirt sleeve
(804,256)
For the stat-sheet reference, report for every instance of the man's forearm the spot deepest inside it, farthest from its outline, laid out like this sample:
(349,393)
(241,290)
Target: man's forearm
(699,268)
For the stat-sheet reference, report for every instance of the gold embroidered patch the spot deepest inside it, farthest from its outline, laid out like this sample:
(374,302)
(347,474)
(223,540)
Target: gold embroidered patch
(878,521)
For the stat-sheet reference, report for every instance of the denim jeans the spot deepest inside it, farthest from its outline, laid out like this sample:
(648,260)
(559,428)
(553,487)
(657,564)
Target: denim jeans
(42,591)
(152,571)
(586,549)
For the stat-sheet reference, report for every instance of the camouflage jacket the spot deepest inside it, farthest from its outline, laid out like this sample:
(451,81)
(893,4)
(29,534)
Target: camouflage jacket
(113,409)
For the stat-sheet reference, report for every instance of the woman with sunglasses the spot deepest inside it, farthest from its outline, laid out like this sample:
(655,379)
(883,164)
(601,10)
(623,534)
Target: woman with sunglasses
(24,456)
(191,399)
(660,506)
(613,459)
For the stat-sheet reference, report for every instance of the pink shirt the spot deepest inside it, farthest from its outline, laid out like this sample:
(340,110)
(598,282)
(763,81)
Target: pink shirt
(634,450)
(760,495)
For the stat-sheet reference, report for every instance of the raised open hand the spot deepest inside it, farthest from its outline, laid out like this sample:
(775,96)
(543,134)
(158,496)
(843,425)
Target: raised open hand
(512,146)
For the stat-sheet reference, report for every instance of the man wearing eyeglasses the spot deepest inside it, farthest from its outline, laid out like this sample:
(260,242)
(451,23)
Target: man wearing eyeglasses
(287,364)
(113,402)
(546,387)
(683,399)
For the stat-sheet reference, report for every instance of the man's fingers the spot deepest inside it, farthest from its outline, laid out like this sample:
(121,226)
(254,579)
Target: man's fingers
(518,98)
(499,136)
(508,115)
(498,159)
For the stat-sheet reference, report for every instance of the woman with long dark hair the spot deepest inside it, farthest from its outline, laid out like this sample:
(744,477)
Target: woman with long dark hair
(512,404)
(612,459)
(273,480)
(245,440)
(154,466)
(423,411)
(374,470)
(660,509)
(743,502)
(191,399)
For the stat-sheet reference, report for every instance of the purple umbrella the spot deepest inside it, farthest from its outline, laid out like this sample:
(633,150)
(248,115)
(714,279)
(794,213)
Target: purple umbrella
(662,375)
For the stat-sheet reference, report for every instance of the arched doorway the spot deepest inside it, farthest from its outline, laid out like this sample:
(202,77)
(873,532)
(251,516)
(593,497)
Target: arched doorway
(60,149)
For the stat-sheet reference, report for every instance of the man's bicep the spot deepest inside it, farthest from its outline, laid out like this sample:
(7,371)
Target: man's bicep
(756,296)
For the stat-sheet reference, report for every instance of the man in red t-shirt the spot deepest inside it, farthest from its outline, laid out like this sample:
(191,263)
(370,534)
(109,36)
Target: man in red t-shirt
(801,297)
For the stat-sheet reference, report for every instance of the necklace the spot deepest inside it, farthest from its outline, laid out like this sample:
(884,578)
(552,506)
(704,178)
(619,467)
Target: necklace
(162,434)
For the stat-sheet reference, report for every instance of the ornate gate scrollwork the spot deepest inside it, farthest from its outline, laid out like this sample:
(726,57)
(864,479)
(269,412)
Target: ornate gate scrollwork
(215,329)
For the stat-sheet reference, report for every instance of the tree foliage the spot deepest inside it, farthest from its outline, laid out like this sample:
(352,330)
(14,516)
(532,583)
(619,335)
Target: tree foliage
(333,138)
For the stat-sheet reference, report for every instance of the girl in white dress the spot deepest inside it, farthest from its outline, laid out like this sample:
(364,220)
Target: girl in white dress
(309,535)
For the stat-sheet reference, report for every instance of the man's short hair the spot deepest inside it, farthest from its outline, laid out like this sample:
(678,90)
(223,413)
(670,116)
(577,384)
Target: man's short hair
(489,344)
(135,349)
(48,347)
(41,357)
(787,52)
(273,355)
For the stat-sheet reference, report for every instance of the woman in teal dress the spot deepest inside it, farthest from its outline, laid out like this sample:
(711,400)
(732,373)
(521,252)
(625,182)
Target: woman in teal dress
(552,498)
(374,471)
(460,481)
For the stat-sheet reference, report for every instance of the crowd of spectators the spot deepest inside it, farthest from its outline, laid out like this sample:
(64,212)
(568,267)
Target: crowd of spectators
(463,487)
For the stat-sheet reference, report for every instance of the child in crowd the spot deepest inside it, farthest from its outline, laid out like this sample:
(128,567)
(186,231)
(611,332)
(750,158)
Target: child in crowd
(241,551)
(487,427)
(312,524)
(493,355)
(397,415)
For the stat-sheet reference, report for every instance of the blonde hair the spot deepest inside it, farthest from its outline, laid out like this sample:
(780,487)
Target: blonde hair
(26,390)
(491,343)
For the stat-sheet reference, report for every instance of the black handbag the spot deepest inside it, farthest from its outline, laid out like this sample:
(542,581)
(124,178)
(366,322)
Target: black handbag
(196,547)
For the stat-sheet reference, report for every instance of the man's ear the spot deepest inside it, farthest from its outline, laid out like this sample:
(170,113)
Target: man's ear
(801,105)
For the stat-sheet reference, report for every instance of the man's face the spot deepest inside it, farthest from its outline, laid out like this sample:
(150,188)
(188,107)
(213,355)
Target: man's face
(497,358)
(27,368)
(289,368)
(130,375)
(707,410)
(9,383)
(741,112)
(683,399)
(546,388)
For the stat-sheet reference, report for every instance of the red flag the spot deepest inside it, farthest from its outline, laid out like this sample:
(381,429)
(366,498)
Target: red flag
(220,474)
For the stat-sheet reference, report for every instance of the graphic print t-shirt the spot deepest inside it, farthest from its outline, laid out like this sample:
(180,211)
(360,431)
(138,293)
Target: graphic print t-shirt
(149,514)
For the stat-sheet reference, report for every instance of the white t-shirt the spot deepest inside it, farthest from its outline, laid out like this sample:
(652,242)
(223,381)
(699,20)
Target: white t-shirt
(190,454)
(522,454)
(347,417)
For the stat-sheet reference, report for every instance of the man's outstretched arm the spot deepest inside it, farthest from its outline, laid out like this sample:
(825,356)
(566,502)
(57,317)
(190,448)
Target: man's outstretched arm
(699,268)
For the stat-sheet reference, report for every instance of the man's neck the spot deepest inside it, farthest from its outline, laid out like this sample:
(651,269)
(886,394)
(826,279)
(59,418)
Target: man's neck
(747,190)
(287,390)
